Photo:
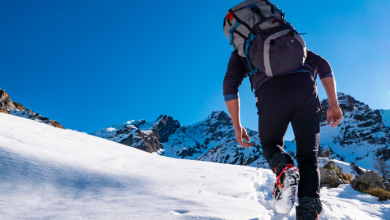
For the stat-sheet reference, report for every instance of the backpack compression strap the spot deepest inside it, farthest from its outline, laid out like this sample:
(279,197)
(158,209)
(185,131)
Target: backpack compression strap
(252,37)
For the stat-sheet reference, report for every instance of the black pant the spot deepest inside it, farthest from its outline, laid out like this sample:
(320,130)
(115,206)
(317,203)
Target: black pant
(291,98)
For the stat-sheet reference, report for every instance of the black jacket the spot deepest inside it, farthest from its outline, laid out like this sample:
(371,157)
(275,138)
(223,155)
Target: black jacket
(238,69)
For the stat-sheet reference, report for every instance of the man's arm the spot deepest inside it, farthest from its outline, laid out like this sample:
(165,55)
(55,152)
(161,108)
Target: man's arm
(325,73)
(334,112)
(233,107)
(233,79)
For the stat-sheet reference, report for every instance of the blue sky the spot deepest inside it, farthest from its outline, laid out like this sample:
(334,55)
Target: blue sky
(91,64)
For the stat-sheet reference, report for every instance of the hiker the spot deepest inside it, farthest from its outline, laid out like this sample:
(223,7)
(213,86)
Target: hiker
(283,75)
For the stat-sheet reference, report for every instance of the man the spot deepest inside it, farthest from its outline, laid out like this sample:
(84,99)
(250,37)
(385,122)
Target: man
(291,97)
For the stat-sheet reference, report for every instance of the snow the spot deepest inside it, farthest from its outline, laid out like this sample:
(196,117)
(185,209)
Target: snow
(51,173)
(385,117)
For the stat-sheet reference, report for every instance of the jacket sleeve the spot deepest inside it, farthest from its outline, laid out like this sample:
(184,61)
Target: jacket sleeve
(234,76)
(323,66)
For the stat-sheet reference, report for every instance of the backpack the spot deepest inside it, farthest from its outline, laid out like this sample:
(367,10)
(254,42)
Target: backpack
(258,31)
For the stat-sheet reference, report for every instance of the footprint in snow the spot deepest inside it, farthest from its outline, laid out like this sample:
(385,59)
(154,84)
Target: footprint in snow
(178,212)
(202,177)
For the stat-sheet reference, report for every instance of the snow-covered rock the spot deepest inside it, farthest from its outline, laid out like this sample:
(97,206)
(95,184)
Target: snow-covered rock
(13,108)
(49,173)
(141,134)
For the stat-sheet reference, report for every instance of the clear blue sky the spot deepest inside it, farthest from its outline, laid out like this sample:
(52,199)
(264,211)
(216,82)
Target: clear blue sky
(91,64)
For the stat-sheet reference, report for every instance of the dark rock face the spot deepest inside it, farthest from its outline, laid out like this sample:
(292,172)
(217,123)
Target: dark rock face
(5,101)
(165,128)
(141,134)
(17,109)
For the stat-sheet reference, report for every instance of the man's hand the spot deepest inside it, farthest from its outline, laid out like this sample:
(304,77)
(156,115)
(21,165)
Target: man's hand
(241,135)
(334,112)
(234,110)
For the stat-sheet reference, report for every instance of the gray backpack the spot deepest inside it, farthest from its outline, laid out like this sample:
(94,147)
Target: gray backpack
(258,31)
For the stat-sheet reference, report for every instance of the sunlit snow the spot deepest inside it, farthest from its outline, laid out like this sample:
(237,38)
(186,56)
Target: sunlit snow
(50,173)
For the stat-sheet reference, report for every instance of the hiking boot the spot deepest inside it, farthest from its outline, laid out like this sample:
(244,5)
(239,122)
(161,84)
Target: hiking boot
(309,208)
(285,189)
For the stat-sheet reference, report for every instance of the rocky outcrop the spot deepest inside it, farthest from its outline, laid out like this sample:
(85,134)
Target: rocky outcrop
(332,175)
(141,134)
(333,166)
(328,177)
(17,109)
(165,127)
(368,180)
(5,101)
(359,171)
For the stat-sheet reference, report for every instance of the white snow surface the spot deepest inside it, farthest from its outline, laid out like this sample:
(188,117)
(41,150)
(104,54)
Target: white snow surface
(51,173)
(385,117)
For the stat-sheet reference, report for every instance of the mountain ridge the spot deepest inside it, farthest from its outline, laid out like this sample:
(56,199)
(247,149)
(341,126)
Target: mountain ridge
(7,106)
(213,139)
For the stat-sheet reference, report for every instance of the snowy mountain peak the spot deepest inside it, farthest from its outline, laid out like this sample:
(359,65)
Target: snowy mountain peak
(219,118)
(362,135)
(141,134)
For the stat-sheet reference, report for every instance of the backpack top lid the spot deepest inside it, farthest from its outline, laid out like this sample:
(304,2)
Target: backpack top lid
(246,3)
(266,8)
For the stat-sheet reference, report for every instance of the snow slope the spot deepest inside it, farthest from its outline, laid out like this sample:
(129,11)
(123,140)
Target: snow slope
(50,173)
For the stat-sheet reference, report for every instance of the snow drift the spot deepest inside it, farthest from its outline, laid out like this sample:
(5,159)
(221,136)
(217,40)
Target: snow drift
(50,173)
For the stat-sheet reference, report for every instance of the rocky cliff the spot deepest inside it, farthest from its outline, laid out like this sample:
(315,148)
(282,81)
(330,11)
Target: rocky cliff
(363,134)
(13,108)
(141,134)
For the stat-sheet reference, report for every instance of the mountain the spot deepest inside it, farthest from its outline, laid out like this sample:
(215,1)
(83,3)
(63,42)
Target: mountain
(13,108)
(141,134)
(212,139)
(49,173)
(362,136)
